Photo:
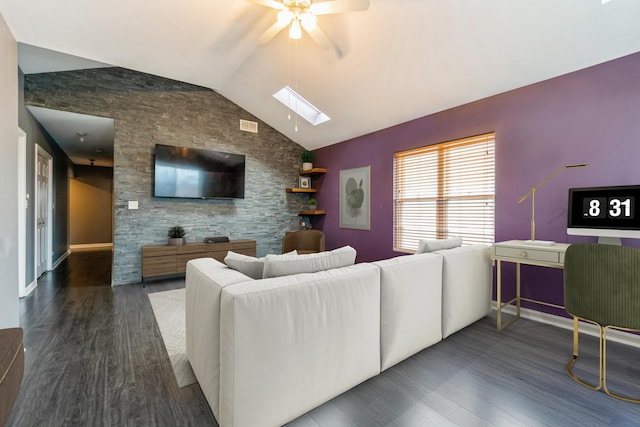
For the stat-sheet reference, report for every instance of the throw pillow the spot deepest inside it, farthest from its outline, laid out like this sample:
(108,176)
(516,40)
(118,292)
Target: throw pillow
(308,263)
(425,245)
(248,265)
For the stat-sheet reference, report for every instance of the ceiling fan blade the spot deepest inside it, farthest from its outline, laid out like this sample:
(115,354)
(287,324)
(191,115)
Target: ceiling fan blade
(319,37)
(269,3)
(339,6)
(271,32)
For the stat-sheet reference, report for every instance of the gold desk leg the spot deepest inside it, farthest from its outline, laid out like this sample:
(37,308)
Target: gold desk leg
(498,297)
(575,337)
(517,290)
(499,325)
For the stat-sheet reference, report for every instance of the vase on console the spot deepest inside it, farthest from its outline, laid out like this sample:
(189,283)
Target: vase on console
(176,236)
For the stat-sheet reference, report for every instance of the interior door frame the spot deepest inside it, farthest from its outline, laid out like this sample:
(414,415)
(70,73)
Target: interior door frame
(23,200)
(49,238)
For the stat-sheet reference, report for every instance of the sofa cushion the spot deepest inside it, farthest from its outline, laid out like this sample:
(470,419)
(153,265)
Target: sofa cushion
(410,306)
(467,280)
(248,265)
(285,265)
(425,245)
(289,344)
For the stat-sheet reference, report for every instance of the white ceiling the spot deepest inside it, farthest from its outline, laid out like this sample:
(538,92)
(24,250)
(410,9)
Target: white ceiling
(399,60)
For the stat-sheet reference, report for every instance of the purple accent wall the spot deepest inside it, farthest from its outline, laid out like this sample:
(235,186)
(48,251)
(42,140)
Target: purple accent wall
(589,116)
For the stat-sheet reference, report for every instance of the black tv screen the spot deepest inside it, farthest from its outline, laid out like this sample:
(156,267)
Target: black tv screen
(195,173)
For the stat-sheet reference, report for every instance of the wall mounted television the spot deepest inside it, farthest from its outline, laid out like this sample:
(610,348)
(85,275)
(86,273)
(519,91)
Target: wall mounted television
(195,173)
(606,212)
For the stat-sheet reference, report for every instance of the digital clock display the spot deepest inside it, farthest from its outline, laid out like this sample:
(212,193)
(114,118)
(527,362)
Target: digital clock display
(604,207)
(609,207)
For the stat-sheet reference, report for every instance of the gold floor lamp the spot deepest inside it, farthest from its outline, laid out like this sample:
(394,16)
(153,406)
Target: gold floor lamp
(532,193)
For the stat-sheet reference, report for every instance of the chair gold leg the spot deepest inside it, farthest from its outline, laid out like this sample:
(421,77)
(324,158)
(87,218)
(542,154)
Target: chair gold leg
(574,357)
(604,370)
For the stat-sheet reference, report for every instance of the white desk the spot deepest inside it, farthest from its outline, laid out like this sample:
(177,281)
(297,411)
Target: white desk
(516,251)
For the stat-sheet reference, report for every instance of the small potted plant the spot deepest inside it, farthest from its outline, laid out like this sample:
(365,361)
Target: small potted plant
(313,204)
(176,236)
(307,160)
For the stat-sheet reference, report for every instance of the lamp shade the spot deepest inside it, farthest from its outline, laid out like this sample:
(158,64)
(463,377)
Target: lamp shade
(295,32)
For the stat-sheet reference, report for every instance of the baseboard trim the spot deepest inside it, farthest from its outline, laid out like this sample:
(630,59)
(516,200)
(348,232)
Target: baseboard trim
(567,323)
(59,260)
(91,246)
(30,288)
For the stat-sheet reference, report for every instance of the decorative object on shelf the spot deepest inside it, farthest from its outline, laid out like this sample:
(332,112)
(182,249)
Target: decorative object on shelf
(176,236)
(216,239)
(307,160)
(304,186)
(532,193)
(305,224)
(355,196)
(313,204)
(304,182)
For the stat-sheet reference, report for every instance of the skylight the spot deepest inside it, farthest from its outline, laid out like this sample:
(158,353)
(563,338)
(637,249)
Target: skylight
(296,103)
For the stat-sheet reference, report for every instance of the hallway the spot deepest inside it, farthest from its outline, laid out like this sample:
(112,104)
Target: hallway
(82,269)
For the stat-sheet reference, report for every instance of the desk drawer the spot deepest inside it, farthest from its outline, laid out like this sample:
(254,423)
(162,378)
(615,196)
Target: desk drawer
(529,254)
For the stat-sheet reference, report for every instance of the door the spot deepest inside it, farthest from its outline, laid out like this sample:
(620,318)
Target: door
(43,187)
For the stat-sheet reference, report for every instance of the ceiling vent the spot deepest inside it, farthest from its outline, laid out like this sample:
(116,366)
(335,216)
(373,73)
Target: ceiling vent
(248,126)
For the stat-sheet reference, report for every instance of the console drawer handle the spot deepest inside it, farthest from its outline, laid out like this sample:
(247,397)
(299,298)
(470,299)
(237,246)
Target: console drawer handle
(524,254)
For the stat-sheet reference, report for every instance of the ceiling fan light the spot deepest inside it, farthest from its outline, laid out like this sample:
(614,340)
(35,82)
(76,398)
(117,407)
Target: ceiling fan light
(284,17)
(308,21)
(295,32)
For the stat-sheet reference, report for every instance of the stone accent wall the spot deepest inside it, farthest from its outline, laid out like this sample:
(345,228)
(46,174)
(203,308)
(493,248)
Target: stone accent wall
(150,110)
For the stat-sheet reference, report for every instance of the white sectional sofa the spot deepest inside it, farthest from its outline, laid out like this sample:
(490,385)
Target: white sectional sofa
(267,351)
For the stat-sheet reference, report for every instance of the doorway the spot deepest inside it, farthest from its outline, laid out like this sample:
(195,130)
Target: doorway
(88,143)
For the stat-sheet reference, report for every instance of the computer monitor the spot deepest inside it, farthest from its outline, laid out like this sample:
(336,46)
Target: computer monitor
(608,213)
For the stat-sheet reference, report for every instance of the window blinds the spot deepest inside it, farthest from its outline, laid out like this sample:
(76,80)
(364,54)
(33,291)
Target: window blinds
(445,190)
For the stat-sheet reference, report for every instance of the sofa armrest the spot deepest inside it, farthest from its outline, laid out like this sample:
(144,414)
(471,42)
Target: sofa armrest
(410,306)
(289,344)
(205,279)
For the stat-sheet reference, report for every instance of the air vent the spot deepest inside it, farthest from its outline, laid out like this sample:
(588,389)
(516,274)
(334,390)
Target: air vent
(248,126)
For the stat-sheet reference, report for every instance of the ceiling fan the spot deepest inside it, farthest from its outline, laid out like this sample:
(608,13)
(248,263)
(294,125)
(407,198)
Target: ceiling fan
(299,14)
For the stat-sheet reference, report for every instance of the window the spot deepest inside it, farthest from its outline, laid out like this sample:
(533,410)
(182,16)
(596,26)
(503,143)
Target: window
(444,190)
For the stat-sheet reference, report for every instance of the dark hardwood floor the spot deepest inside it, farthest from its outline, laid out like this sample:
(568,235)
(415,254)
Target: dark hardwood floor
(95,357)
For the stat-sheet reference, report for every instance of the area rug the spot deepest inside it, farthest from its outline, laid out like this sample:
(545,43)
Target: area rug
(168,308)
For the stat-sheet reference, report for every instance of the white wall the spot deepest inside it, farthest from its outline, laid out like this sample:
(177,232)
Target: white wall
(9,314)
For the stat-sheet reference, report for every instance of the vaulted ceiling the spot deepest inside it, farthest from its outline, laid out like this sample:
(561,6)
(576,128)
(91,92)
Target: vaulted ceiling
(399,60)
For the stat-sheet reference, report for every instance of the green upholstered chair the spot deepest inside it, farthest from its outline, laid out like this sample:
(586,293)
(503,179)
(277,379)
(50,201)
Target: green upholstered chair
(602,286)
